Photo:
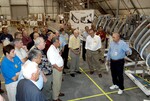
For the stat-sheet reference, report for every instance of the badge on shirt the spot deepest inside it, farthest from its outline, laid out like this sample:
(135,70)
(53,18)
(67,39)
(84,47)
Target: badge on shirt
(95,41)
(115,53)
(16,66)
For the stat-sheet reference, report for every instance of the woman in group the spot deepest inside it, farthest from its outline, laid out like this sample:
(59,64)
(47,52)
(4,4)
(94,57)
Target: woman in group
(10,67)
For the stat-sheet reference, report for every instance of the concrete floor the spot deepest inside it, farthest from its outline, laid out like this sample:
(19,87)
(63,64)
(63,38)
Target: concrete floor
(86,87)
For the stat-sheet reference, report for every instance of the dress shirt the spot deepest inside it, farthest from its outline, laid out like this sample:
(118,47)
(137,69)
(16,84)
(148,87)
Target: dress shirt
(63,40)
(21,53)
(74,42)
(54,57)
(94,43)
(118,50)
(84,35)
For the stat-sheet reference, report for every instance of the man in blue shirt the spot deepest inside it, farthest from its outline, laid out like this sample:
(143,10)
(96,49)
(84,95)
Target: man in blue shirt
(116,53)
(64,46)
(84,35)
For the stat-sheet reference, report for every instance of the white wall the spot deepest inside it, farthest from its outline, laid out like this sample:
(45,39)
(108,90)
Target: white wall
(52,8)
(5,7)
(18,2)
(34,7)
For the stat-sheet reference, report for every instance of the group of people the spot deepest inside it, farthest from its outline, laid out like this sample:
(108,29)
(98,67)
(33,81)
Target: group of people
(94,49)
(18,62)
(47,53)
(31,62)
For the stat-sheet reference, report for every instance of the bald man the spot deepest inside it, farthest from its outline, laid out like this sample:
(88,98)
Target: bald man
(116,53)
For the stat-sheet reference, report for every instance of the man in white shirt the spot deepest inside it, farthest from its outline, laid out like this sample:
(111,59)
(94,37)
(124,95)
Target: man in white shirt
(92,46)
(20,50)
(58,64)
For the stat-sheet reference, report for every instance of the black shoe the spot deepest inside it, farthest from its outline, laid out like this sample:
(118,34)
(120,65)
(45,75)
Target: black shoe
(57,100)
(100,75)
(91,72)
(78,72)
(61,94)
(102,61)
(64,72)
(73,75)
(66,67)
(1,91)
(48,74)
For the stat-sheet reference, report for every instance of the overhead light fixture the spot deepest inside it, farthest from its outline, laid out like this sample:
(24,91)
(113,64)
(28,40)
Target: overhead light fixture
(81,3)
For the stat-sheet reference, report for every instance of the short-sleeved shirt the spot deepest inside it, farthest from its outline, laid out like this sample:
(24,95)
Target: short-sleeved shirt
(74,42)
(85,34)
(102,34)
(94,43)
(63,40)
(54,57)
(21,53)
(9,68)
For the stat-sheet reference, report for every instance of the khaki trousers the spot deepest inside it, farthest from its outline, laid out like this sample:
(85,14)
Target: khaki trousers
(11,90)
(74,62)
(102,51)
(57,80)
(93,58)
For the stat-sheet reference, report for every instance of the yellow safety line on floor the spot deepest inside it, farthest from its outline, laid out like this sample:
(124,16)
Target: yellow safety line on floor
(87,97)
(98,95)
(96,85)
(87,70)
(127,89)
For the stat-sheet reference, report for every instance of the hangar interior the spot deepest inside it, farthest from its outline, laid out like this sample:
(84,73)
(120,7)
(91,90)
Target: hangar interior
(129,18)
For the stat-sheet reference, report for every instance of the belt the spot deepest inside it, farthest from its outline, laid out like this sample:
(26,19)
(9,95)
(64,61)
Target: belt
(117,60)
(76,49)
(95,50)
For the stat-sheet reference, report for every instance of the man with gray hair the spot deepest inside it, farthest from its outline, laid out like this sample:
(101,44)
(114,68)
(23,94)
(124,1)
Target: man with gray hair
(35,56)
(115,58)
(26,88)
(58,64)
(45,66)
(74,47)
(20,50)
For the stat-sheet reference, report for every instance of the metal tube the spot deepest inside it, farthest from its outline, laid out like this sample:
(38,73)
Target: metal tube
(117,10)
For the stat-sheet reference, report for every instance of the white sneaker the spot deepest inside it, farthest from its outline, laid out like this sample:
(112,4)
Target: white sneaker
(113,87)
(120,91)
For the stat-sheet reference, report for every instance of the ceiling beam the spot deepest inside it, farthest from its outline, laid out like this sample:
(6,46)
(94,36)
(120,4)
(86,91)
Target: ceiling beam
(109,7)
(130,8)
(135,7)
(101,10)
